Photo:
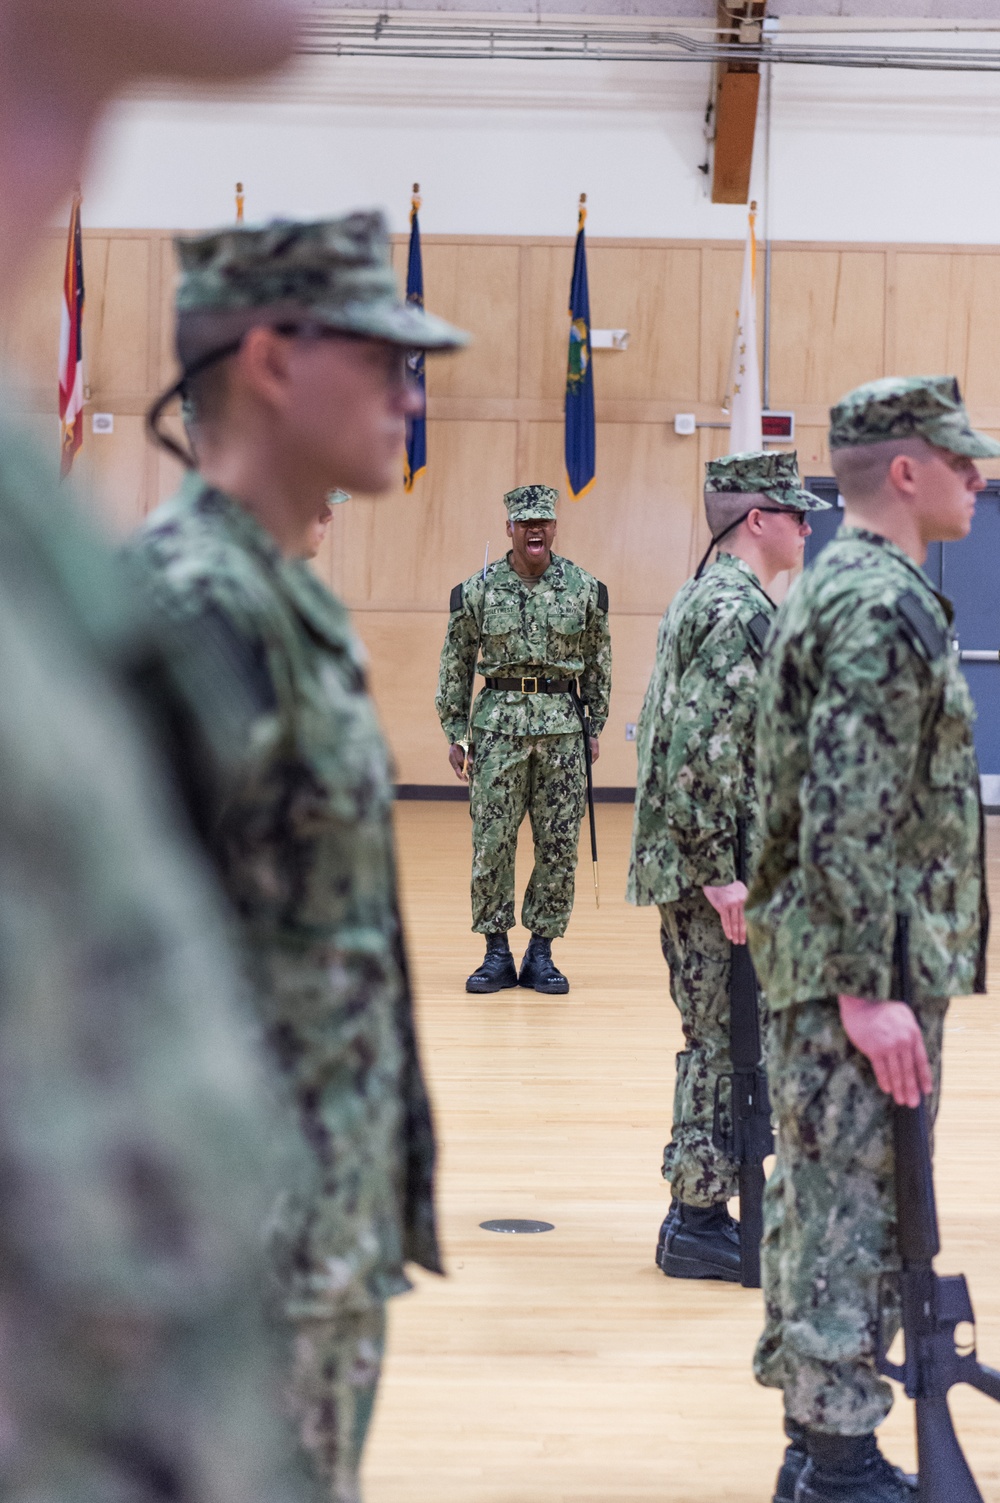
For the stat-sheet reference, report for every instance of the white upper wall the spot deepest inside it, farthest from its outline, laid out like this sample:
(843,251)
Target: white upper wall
(505,148)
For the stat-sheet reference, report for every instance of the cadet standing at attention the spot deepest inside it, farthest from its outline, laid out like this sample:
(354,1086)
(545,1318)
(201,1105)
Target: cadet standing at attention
(872,828)
(538,624)
(134,1124)
(293,342)
(695,784)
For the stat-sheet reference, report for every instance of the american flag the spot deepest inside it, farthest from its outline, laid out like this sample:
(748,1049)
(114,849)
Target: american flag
(71,344)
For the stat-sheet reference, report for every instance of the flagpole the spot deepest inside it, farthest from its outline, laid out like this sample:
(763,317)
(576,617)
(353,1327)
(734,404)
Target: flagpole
(240,200)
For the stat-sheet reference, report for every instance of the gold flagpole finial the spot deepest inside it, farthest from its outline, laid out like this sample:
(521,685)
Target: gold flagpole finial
(239,203)
(582,211)
(415,202)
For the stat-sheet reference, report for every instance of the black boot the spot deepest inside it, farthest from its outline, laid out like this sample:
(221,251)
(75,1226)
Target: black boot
(497,970)
(666,1226)
(704,1243)
(792,1462)
(850,1469)
(538,968)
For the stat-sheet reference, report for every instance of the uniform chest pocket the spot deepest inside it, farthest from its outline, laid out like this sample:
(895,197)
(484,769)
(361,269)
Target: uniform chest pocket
(501,620)
(565,635)
(952,762)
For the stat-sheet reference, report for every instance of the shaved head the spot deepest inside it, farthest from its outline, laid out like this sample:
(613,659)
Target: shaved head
(62,61)
(863,470)
(110,42)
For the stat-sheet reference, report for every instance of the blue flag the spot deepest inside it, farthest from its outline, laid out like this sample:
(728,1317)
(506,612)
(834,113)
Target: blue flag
(580,459)
(416,428)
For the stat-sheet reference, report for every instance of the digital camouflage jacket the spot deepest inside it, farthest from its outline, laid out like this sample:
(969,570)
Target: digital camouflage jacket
(557,628)
(696,735)
(135,1124)
(869,787)
(305,845)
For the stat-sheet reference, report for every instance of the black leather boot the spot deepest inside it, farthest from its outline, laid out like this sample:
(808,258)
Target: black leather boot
(704,1243)
(850,1469)
(665,1227)
(497,970)
(792,1463)
(539,970)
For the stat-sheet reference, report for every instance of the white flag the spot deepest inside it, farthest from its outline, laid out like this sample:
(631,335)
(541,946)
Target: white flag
(743,400)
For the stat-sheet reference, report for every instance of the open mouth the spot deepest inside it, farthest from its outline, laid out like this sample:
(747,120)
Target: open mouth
(534,544)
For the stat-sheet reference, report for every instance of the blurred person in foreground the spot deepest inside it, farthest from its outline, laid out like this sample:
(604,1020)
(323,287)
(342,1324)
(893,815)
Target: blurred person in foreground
(133,1134)
(293,341)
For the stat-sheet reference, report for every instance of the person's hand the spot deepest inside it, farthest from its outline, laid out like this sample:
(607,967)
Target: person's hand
(460,761)
(595,749)
(888,1034)
(728,903)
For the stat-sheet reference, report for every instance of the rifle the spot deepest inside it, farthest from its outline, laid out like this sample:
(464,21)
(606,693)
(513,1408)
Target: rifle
(583,711)
(931,1307)
(749,1139)
(475,664)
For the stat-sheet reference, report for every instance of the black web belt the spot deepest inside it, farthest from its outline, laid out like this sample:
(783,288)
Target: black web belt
(532,685)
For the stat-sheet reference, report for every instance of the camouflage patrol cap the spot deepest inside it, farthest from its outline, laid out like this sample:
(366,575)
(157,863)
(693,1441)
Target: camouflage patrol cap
(336,273)
(737,483)
(531,503)
(928,407)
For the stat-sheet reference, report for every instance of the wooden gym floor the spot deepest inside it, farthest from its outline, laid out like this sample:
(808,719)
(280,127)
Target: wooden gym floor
(564,1367)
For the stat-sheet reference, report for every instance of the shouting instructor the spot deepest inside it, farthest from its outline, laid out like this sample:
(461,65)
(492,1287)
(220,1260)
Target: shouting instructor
(538,625)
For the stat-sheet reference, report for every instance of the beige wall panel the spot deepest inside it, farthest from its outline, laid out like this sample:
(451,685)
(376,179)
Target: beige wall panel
(827,323)
(407,551)
(720,295)
(475,287)
(655,294)
(166,370)
(118,315)
(112,471)
(948,319)
(544,320)
(404,648)
(31,332)
(635,528)
(633,648)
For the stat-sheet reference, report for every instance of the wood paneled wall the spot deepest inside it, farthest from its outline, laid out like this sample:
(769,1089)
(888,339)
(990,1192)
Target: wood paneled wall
(840,314)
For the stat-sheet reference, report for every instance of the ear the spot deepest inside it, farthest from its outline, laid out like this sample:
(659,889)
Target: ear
(753,521)
(263,365)
(510,529)
(902,474)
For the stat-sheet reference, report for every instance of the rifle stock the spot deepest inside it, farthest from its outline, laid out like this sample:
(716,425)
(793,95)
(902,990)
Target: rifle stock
(749,1139)
(932,1307)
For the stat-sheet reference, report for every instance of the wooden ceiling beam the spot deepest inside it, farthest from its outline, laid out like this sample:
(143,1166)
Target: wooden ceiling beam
(736,91)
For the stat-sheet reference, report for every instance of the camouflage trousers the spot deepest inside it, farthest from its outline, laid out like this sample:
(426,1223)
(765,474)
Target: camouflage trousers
(335,1375)
(829,1218)
(545,778)
(698,954)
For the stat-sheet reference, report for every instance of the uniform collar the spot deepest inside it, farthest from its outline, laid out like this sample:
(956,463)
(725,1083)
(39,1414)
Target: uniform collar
(245,529)
(554,576)
(878,540)
(732,562)
(296,581)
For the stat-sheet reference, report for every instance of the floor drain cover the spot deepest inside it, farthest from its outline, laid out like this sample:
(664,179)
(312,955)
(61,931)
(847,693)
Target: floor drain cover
(517,1226)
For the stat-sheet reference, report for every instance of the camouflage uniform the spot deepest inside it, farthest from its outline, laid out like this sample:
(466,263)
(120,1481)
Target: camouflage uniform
(528,755)
(870,804)
(305,845)
(695,780)
(134,1122)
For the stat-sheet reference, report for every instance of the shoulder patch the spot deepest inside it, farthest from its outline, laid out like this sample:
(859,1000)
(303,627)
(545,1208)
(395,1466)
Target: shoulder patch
(759,628)
(602,597)
(922,624)
(455,602)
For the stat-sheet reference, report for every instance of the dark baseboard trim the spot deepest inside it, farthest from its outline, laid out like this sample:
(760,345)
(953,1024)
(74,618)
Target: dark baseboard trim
(991,808)
(458,793)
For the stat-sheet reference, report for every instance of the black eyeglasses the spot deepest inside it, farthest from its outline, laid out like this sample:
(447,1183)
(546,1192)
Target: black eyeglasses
(784,511)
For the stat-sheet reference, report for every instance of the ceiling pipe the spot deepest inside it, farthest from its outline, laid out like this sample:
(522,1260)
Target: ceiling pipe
(387,35)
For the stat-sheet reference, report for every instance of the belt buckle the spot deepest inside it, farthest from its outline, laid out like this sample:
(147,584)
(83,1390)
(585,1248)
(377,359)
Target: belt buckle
(534,686)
